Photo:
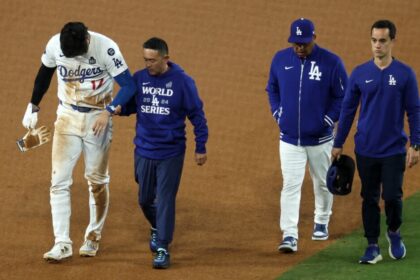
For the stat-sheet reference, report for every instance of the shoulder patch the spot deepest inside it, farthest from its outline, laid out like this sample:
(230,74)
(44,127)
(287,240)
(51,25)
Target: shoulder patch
(92,60)
(111,51)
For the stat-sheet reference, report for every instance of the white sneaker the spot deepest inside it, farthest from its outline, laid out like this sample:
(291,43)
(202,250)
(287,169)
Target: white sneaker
(89,248)
(60,251)
(288,245)
(320,232)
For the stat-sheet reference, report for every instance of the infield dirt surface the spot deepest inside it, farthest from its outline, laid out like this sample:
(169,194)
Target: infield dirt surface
(227,210)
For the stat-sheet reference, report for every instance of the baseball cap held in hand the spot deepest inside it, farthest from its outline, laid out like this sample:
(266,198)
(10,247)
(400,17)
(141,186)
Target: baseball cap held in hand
(301,31)
(340,175)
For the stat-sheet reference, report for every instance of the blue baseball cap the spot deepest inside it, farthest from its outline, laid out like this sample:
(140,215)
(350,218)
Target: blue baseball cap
(340,175)
(301,31)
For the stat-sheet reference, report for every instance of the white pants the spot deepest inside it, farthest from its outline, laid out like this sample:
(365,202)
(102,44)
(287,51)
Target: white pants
(73,135)
(293,165)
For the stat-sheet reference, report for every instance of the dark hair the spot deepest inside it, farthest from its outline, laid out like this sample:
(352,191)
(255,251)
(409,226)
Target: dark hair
(73,39)
(157,44)
(384,23)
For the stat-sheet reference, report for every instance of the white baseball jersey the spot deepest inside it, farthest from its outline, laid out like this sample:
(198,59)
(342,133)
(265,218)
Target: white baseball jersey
(86,80)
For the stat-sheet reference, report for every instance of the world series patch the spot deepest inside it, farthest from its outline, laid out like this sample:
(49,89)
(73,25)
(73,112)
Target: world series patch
(111,51)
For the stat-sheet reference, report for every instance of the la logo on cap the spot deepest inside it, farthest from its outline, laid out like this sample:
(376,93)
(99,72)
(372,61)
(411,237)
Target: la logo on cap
(302,31)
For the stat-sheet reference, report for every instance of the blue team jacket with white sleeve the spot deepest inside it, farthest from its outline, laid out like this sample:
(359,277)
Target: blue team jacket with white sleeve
(384,97)
(162,104)
(305,95)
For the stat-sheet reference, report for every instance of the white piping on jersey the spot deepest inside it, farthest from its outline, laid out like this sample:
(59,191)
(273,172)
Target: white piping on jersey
(328,120)
(325,138)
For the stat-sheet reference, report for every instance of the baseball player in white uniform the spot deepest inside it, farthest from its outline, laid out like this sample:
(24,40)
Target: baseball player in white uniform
(86,63)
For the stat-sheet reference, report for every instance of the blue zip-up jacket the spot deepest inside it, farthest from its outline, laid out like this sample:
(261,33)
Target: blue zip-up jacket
(305,95)
(384,96)
(162,104)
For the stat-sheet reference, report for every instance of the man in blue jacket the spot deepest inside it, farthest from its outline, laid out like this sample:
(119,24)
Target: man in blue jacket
(305,90)
(385,88)
(165,97)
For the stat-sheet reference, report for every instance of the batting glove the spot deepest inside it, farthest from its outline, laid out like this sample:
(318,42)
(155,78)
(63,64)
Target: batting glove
(31,116)
(34,138)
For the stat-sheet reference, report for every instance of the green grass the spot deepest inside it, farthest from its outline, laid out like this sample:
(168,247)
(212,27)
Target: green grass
(339,261)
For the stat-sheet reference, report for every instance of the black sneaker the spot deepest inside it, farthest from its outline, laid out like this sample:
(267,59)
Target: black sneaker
(162,259)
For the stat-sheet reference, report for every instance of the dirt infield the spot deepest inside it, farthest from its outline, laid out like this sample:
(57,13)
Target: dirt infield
(228,210)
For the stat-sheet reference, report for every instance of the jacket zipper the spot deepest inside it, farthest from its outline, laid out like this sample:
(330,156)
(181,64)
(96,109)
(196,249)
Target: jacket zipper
(300,97)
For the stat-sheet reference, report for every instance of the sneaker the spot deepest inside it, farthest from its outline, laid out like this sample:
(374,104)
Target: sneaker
(153,240)
(288,245)
(396,246)
(89,248)
(372,255)
(60,251)
(320,232)
(162,259)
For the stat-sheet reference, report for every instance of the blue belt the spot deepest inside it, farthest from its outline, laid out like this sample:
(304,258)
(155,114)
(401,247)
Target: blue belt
(79,108)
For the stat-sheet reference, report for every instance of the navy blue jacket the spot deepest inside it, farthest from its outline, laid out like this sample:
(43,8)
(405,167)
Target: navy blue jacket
(162,104)
(306,94)
(384,97)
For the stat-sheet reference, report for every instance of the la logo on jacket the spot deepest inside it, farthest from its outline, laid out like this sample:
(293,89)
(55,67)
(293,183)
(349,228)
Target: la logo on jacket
(392,81)
(314,73)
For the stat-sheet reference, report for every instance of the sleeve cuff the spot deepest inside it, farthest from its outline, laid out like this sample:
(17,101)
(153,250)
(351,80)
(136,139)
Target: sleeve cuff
(200,148)
(111,109)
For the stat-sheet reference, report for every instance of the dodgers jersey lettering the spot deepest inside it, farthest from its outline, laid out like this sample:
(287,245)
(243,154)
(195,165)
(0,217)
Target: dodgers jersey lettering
(86,80)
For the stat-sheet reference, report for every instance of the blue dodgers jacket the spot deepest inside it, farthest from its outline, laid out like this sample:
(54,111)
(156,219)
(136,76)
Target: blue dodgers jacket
(162,104)
(384,96)
(305,95)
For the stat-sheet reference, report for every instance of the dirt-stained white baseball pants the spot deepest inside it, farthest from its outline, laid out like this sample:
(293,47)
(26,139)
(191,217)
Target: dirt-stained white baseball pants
(293,161)
(73,135)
